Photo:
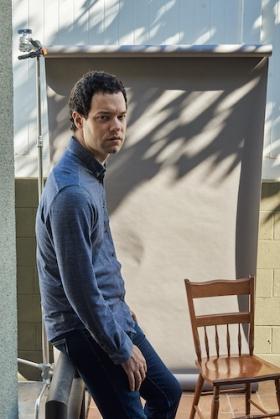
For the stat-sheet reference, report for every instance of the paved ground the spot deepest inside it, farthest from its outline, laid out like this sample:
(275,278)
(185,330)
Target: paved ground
(28,391)
(231,405)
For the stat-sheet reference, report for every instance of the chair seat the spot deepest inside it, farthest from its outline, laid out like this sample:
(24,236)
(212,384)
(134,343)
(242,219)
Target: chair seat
(237,369)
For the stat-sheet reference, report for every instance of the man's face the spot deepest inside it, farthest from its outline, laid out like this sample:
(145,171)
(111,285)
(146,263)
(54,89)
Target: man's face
(103,131)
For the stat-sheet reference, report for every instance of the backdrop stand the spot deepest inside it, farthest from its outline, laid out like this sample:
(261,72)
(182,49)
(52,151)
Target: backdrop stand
(34,49)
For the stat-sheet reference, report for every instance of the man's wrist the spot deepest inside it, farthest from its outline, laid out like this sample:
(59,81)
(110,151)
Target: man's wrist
(123,354)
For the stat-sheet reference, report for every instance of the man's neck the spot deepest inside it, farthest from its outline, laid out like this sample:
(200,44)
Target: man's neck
(101,159)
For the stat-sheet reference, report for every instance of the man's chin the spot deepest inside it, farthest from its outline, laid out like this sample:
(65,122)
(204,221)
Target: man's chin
(114,150)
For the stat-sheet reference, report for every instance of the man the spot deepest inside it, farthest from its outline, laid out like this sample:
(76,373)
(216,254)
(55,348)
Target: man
(81,285)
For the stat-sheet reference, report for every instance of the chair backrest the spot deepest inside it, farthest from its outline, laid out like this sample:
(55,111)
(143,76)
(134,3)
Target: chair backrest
(238,287)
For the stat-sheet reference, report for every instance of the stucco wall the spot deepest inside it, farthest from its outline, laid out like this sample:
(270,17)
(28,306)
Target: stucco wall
(8,329)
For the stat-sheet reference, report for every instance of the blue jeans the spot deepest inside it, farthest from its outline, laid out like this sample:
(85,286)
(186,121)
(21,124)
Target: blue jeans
(108,383)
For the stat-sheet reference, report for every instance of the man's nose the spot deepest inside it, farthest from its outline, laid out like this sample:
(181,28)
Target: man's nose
(116,124)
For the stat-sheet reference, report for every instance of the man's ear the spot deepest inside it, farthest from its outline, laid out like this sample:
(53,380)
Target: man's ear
(78,120)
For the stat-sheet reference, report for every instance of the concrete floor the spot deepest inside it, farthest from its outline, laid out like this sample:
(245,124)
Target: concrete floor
(28,391)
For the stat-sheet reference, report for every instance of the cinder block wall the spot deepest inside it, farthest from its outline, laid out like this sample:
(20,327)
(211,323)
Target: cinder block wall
(267,321)
(267,340)
(29,313)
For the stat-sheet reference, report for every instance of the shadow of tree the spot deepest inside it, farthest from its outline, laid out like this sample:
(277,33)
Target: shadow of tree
(166,132)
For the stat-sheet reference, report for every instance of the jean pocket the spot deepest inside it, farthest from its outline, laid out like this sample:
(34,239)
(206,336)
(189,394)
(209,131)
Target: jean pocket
(61,345)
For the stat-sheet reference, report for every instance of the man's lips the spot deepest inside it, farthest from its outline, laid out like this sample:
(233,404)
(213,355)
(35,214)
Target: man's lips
(112,139)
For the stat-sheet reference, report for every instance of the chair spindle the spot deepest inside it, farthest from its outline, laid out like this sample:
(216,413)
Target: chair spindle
(217,341)
(206,342)
(239,339)
(228,341)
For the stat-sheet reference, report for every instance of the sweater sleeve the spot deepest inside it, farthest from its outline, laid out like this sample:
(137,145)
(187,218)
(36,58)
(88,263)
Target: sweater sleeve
(71,220)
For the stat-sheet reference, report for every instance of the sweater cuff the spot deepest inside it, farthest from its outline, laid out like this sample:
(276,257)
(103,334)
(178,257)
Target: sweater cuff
(123,354)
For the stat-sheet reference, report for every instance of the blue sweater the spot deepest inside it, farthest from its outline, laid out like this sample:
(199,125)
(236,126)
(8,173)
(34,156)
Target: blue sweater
(79,275)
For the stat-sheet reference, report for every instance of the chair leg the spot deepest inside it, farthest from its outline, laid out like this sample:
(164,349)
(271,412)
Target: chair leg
(248,398)
(277,388)
(215,403)
(197,394)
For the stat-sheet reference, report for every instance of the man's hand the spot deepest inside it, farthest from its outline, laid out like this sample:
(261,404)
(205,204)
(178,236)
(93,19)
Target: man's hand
(135,368)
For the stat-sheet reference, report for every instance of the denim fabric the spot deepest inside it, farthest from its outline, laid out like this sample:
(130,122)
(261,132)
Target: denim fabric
(79,275)
(108,383)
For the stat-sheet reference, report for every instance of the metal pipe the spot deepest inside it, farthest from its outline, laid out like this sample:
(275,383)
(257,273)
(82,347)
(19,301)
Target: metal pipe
(39,127)
(27,44)
(30,363)
(38,401)
(45,344)
(60,389)
(77,408)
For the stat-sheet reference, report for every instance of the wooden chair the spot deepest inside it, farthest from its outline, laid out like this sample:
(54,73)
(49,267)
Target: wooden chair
(229,369)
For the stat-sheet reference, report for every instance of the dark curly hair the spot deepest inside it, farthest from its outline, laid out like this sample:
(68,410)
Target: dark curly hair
(89,84)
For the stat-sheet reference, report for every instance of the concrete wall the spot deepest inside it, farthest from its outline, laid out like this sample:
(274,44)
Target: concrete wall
(8,329)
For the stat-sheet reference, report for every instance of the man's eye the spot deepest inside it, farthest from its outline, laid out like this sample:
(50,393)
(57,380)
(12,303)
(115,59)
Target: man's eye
(122,117)
(103,118)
